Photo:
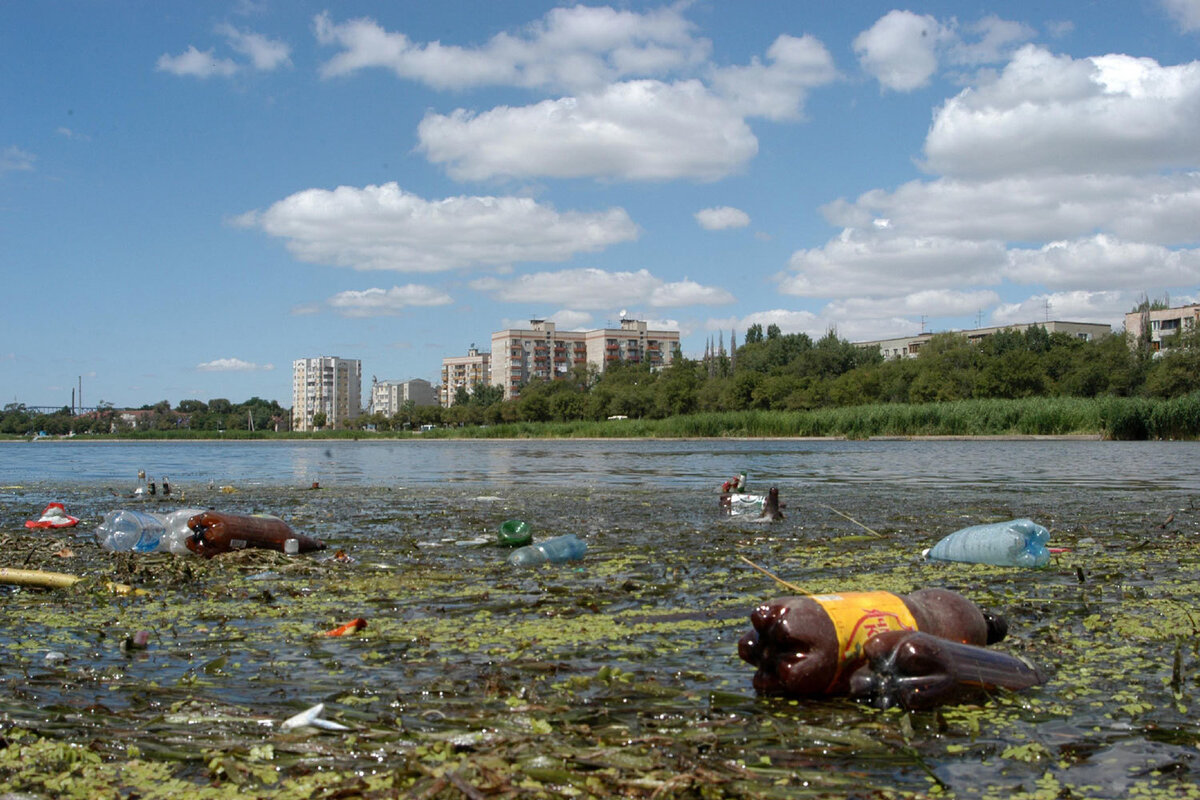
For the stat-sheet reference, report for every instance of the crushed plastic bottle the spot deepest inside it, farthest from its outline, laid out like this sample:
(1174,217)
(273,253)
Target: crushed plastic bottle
(135,531)
(916,670)
(553,551)
(1015,543)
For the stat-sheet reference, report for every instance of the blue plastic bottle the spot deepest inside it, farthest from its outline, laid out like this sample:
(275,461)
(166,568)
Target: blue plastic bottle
(554,551)
(1015,543)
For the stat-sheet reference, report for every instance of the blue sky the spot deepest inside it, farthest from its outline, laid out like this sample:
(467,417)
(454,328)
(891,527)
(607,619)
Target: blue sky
(192,195)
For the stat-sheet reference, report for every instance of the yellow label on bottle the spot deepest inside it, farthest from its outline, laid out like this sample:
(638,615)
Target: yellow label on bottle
(857,616)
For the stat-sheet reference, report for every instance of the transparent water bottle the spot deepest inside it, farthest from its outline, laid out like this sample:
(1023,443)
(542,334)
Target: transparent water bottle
(553,551)
(134,531)
(177,530)
(1015,543)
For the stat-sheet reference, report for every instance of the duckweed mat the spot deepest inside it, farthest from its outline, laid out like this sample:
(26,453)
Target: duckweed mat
(614,676)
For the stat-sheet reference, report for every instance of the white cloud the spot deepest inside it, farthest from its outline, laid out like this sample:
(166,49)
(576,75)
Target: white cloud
(900,49)
(722,218)
(929,302)
(13,159)
(573,48)
(233,365)
(264,54)
(386,302)
(1185,12)
(638,130)
(196,64)
(1074,306)
(384,227)
(596,289)
(1054,114)
(777,90)
(1102,262)
(878,263)
(997,39)
(1153,208)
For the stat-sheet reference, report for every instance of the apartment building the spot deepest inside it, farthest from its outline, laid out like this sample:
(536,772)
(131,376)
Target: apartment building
(464,372)
(542,352)
(1162,324)
(910,346)
(388,397)
(328,385)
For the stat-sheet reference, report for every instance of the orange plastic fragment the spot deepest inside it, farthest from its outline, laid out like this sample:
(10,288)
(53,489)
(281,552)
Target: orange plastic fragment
(353,626)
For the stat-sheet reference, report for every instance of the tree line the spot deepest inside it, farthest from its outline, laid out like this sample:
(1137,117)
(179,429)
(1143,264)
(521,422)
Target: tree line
(770,370)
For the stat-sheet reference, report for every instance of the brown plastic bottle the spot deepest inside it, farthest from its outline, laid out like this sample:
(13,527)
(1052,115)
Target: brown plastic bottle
(916,671)
(215,532)
(810,644)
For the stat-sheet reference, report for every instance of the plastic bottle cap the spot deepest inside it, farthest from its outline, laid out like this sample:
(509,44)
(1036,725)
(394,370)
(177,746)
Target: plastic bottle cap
(291,546)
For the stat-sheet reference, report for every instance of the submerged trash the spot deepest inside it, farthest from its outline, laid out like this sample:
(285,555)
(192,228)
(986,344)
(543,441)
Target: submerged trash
(54,580)
(311,717)
(762,505)
(554,551)
(1015,543)
(353,626)
(216,532)
(515,533)
(53,516)
(916,671)
(810,644)
(138,640)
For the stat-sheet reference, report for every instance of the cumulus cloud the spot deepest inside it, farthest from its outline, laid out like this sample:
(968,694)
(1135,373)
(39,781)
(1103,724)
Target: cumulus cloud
(1185,12)
(572,48)
(1104,263)
(384,227)
(777,90)
(722,218)
(1154,208)
(637,130)
(882,264)
(1075,306)
(264,55)
(595,289)
(196,64)
(1049,113)
(386,302)
(900,49)
(14,159)
(930,302)
(233,365)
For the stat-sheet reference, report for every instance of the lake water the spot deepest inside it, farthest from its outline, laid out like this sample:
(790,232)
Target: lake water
(623,667)
(667,464)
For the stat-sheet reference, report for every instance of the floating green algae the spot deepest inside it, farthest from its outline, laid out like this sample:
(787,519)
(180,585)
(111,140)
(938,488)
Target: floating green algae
(613,676)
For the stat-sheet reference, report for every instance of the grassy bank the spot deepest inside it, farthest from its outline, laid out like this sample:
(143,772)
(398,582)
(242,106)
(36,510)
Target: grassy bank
(1126,418)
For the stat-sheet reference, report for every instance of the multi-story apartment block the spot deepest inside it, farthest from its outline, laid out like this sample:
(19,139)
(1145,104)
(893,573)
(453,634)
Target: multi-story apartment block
(464,372)
(388,397)
(910,346)
(328,385)
(1161,324)
(542,352)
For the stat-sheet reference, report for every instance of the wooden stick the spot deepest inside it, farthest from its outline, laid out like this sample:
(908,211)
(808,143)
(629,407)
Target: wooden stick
(876,534)
(54,580)
(775,578)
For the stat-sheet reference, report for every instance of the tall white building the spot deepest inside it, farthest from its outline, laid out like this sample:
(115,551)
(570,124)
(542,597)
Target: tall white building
(388,397)
(464,372)
(328,385)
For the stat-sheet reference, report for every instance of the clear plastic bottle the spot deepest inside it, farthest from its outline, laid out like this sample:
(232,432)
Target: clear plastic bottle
(134,531)
(177,530)
(1015,543)
(553,551)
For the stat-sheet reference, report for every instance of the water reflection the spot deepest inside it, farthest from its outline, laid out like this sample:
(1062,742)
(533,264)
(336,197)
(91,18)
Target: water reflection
(666,464)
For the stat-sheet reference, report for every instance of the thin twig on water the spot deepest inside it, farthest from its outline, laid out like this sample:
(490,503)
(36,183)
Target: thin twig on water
(856,522)
(774,577)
